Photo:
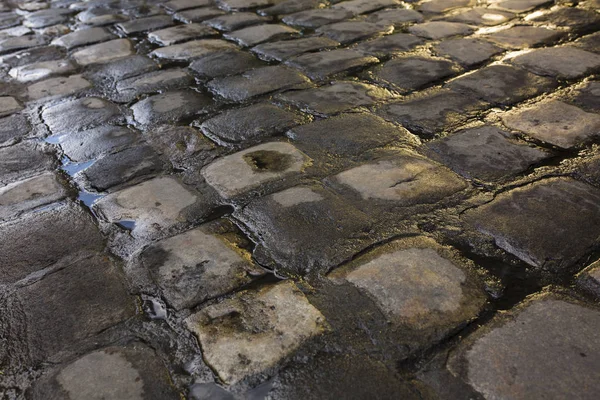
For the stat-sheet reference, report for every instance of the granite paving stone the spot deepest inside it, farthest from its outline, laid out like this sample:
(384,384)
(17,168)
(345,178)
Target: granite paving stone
(22,42)
(83,37)
(198,14)
(171,107)
(232,22)
(216,65)
(104,52)
(357,7)
(518,6)
(57,87)
(28,194)
(521,36)
(327,63)
(395,16)
(559,62)
(588,97)
(240,5)
(109,73)
(574,19)
(282,50)
(92,143)
(9,105)
(22,160)
(33,55)
(180,144)
(152,82)
(180,33)
(41,70)
(589,43)
(313,19)
(467,52)
(390,45)
(481,17)
(13,129)
(80,114)
(440,29)
(178,5)
(145,24)
(352,31)
(442,6)
(193,49)
(257,34)
(286,7)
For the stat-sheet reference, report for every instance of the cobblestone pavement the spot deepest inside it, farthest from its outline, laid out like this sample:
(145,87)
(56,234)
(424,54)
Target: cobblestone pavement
(299,199)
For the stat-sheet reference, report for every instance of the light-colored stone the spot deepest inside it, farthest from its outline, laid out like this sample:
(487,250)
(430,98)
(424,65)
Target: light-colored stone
(41,70)
(9,105)
(193,49)
(104,52)
(241,172)
(254,331)
(57,87)
(28,194)
(83,37)
(555,122)
(296,195)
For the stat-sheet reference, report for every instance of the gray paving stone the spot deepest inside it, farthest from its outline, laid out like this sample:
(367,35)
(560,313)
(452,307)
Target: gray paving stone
(440,29)
(519,37)
(145,24)
(41,70)
(442,6)
(285,49)
(336,97)
(519,345)
(352,31)
(57,87)
(92,143)
(467,52)
(519,6)
(198,14)
(589,43)
(200,264)
(124,167)
(389,45)
(252,123)
(241,172)
(417,284)
(22,42)
(327,63)
(100,16)
(158,81)
(257,82)
(76,115)
(33,55)
(9,105)
(560,62)
(348,135)
(193,49)
(257,34)
(180,144)
(232,22)
(239,5)
(291,6)
(575,19)
(171,107)
(237,329)
(134,370)
(313,19)
(178,5)
(589,279)
(587,97)
(180,33)
(357,7)
(216,65)
(555,122)
(429,114)
(44,18)
(48,236)
(395,17)
(23,160)
(481,17)
(109,73)
(485,153)
(524,222)
(9,19)
(103,52)
(18,197)
(83,37)
(502,84)
(13,128)
(410,73)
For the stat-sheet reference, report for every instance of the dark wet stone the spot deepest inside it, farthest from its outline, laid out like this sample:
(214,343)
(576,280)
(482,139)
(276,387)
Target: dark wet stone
(440,29)
(334,98)
(31,56)
(297,239)
(181,33)
(485,153)
(48,236)
(145,24)
(519,6)
(524,222)
(519,37)
(352,31)
(411,73)
(257,34)
(442,6)
(502,84)
(13,128)
(181,143)
(22,42)
(240,5)
(216,65)
(389,45)
(396,17)
(327,63)
(509,357)
(291,6)
(83,37)
(248,124)
(123,68)
(481,17)
(433,113)
(575,19)
(44,18)
(358,7)
(68,306)
(198,14)
(232,22)
(171,107)
(348,135)
(92,143)
(99,16)
(134,370)
(76,115)
(467,52)
(316,18)
(193,49)
(28,194)
(560,62)
(23,160)
(587,97)
(178,5)
(256,82)
(589,43)
(288,48)
(126,166)
(157,81)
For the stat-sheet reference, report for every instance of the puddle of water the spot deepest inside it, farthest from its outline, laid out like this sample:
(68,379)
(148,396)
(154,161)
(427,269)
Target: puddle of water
(126,224)
(54,139)
(73,168)
(88,198)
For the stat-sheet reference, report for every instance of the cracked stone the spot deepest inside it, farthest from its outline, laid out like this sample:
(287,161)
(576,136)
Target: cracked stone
(358,7)
(41,70)
(57,87)
(241,125)
(520,37)
(524,222)
(22,42)
(285,49)
(193,49)
(352,31)
(481,17)
(80,114)
(253,167)
(28,194)
(158,81)
(440,29)
(83,37)
(257,34)
(49,236)
(327,63)
(486,153)
(336,97)
(313,19)
(412,72)
(502,84)
(560,62)
(257,82)
(555,122)
(467,52)
(145,24)
(22,160)
(389,45)
(232,22)
(89,144)
(198,14)
(9,105)
(395,17)
(199,265)
(262,336)
(180,33)
(104,52)
(171,107)
(216,65)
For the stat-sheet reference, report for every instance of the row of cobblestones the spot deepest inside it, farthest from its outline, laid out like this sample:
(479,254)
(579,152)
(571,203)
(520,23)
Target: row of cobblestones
(285,199)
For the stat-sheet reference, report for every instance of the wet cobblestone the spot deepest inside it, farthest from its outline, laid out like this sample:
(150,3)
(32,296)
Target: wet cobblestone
(299,199)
